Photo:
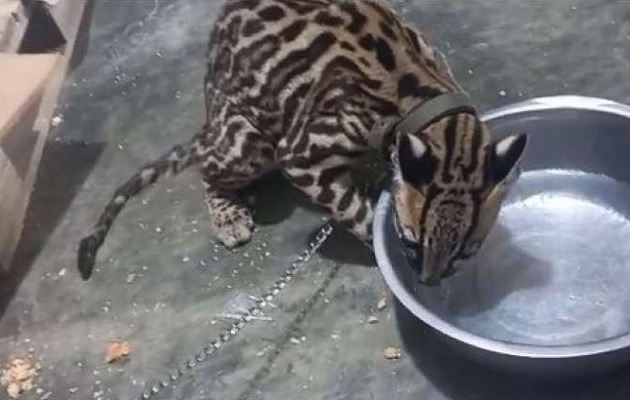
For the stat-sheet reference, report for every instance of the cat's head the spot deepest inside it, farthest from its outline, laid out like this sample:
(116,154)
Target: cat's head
(450,180)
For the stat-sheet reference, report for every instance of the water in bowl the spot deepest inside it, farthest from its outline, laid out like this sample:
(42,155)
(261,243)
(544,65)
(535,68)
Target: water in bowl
(555,268)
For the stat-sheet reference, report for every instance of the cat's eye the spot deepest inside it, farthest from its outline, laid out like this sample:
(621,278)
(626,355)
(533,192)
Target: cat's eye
(469,250)
(408,243)
(405,234)
(409,237)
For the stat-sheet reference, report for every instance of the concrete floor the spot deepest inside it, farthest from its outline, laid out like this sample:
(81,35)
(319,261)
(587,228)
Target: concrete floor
(138,91)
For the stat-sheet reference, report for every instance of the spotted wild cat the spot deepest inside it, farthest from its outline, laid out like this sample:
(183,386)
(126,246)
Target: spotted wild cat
(310,86)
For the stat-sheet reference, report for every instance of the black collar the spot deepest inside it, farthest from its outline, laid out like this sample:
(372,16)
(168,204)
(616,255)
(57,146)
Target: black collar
(425,114)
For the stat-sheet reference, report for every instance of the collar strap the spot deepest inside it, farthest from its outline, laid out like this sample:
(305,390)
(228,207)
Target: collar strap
(430,111)
(421,116)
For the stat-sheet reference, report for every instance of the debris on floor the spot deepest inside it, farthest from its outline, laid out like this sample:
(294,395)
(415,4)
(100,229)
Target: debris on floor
(18,377)
(56,120)
(372,319)
(382,303)
(392,353)
(131,278)
(117,351)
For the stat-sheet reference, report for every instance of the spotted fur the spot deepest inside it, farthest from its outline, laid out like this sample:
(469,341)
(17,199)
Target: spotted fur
(306,86)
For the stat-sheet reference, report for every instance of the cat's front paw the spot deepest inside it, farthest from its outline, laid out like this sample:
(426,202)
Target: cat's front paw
(235,229)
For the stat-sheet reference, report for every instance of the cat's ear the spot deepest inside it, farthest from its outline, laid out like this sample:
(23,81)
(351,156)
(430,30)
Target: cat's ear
(416,162)
(505,155)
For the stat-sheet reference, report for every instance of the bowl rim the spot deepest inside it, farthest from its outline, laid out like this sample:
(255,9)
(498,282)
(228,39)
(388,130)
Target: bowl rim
(454,332)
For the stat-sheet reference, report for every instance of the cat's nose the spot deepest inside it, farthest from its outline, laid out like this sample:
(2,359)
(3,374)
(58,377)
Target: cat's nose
(431,280)
(433,270)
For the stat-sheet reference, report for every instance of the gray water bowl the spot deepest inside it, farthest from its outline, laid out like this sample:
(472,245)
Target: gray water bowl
(549,290)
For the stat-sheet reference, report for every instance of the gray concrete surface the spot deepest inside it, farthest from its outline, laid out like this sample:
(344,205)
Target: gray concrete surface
(136,92)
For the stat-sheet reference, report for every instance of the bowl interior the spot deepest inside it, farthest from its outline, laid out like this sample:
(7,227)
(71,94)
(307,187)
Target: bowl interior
(555,267)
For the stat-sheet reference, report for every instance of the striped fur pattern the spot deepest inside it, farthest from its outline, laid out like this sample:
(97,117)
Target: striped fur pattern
(306,86)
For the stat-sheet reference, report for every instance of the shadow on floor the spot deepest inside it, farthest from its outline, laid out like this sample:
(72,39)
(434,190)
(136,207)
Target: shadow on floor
(44,35)
(343,247)
(274,200)
(459,378)
(62,171)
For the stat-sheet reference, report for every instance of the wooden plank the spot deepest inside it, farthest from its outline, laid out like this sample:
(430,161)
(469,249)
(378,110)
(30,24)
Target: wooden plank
(12,191)
(68,17)
(16,153)
(22,78)
(13,23)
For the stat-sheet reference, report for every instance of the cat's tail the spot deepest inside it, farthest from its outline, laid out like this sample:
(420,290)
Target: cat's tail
(177,159)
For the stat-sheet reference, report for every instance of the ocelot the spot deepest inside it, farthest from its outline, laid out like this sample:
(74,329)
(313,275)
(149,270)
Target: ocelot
(309,87)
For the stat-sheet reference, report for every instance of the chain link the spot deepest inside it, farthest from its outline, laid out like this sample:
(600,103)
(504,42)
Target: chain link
(170,380)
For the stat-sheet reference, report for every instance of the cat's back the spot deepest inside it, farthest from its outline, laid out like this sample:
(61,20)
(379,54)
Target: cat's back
(261,45)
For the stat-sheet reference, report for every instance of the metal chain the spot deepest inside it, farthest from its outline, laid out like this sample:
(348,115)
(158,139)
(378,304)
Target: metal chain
(151,391)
